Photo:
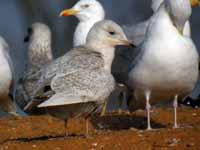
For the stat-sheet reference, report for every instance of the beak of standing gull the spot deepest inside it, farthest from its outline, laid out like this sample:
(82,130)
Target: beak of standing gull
(195,3)
(120,42)
(68,12)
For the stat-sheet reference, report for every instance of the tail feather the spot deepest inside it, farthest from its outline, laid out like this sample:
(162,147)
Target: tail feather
(61,99)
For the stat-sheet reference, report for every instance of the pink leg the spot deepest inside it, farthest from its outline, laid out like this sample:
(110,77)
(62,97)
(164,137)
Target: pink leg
(148,107)
(175,105)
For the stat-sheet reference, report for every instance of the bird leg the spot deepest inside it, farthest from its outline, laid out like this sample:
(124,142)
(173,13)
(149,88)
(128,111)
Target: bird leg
(122,95)
(148,107)
(120,101)
(103,111)
(175,105)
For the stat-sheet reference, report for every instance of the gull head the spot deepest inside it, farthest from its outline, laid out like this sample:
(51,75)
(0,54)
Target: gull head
(39,33)
(107,33)
(179,11)
(86,10)
(156,4)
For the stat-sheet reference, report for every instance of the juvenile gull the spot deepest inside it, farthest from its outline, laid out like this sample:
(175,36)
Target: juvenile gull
(161,72)
(79,82)
(6,79)
(88,13)
(136,32)
(39,55)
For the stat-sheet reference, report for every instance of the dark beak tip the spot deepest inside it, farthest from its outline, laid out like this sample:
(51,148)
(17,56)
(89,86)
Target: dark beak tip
(132,45)
(26,39)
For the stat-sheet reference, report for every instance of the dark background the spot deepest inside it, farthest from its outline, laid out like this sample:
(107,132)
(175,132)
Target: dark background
(17,15)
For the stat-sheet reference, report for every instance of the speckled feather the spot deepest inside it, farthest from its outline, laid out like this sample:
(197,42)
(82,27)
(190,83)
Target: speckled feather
(79,72)
(39,55)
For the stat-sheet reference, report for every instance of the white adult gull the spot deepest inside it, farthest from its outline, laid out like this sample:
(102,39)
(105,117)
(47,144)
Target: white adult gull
(88,13)
(161,72)
(7,79)
(136,34)
(80,82)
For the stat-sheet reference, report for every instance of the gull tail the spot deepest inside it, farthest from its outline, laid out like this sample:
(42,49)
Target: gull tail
(61,99)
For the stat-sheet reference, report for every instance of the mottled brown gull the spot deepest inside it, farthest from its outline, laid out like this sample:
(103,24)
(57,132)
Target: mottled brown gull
(39,55)
(160,72)
(79,82)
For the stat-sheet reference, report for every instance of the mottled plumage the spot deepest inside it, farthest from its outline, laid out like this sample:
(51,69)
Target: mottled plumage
(78,73)
(39,55)
(79,82)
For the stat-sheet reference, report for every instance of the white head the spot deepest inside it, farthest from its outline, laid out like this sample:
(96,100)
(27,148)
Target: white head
(179,11)
(86,10)
(156,4)
(103,37)
(106,33)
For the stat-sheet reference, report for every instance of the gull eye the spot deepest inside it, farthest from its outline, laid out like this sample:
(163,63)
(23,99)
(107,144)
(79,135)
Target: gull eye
(85,6)
(112,33)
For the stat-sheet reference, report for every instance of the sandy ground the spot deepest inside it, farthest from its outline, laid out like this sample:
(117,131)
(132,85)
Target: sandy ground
(120,132)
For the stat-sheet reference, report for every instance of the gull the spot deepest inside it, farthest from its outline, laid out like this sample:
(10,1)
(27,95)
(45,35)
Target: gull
(39,54)
(136,32)
(7,80)
(160,72)
(88,13)
(80,82)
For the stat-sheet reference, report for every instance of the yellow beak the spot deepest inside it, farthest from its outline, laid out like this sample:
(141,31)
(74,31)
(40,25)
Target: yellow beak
(195,3)
(69,12)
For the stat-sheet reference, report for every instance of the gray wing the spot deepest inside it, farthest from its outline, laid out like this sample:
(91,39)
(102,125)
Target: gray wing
(136,56)
(74,61)
(65,72)
(136,33)
(84,82)
(124,60)
(80,87)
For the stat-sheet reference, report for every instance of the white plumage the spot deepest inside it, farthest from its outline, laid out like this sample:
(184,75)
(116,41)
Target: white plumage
(88,13)
(167,66)
(136,32)
(6,79)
